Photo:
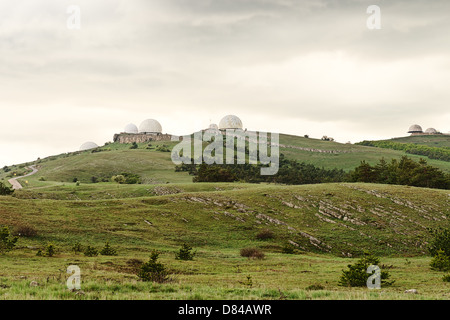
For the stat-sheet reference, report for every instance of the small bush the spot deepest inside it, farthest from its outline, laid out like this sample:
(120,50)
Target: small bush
(315,287)
(7,240)
(50,250)
(134,145)
(440,262)
(446,278)
(153,271)
(41,179)
(185,253)
(254,253)
(25,231)
(265,234)
(440,241)
(90,252)
(288,249)
(77,247)
(356,275)
(4,190)
(108,250)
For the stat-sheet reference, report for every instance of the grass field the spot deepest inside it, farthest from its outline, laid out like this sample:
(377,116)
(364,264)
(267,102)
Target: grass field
(332,224)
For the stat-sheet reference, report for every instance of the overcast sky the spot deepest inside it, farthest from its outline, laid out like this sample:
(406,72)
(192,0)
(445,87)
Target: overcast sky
(298,67)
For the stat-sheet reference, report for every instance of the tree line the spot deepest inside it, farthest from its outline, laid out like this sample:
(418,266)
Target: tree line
(411,148)
(404,171)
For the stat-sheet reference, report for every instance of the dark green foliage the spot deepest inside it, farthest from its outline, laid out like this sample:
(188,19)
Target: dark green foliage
(6,169)
(440,261)
(289,172)
(90,252)
(446,278)
(4,190)
(25,231)
(315,287)
(50,250)
(440,241)
(265,234)
(185,253)
(356,275)
(153,270)
(108,250)
(77,247)
(163,148)
(7,240)
(127,178)
(134,145)
(94,179)
(288,249)
(411,148)
(403,172)
(254,253)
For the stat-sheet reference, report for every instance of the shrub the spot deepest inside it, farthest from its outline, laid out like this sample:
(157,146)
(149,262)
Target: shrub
(90,252)
(7,240)
(288,249)
(265,234)
(446,278)
(134,145)
(50,250)
(25,231)
(185,253)
(440,241)
(153,271)
(77,247)
(254,253)
(41,179)
(4,190)
(440,262)
(315,287)
(108,250)
(356,275)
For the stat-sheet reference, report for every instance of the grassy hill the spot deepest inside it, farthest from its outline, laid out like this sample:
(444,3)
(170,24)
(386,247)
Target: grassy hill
(440,141)
(156,166)
(328,224)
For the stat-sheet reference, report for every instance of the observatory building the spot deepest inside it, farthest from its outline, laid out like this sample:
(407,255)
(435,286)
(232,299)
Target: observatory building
(230,122)
(149,130)
(416,130)
(88,145)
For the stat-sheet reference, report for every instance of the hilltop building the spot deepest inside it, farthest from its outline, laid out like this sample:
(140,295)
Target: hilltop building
(416,130)
(151,130)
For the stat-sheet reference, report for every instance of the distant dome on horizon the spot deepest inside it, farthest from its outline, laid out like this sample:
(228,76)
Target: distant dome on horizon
(415,128)
(230,122)
(431,131)
(131,128)
(88,145)
(150,126)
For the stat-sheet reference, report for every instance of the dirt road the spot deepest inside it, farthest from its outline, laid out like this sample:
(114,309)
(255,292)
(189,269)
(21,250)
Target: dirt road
(15,184)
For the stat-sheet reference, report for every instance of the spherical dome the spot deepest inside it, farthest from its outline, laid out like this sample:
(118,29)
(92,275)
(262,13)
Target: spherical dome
(130,128)
(151,126)
(213,126)
(431,131)
(415,128)
(230,122)
(88,145)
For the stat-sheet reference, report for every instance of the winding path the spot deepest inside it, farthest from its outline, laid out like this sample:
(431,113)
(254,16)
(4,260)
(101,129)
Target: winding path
(15,184)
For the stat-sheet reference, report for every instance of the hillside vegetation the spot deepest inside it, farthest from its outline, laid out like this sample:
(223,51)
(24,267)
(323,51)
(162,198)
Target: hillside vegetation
(327,225)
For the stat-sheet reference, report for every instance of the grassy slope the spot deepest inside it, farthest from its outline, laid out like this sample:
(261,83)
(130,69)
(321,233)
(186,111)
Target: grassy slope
(389,220)
(440,141)
(349,157)
(157,167)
